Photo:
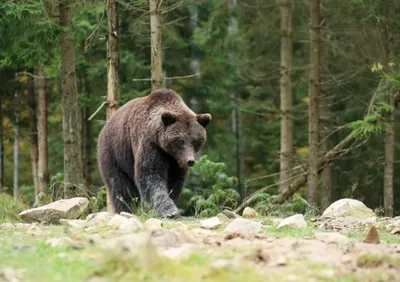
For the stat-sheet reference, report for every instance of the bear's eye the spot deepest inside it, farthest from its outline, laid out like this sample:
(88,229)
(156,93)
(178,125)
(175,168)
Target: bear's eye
(178,142)
(196,144)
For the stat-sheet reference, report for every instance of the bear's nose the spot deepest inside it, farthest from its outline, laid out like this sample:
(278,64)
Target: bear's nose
(190,163)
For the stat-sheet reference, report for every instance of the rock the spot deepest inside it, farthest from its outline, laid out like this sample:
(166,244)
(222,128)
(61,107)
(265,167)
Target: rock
(230,214)
(117,220)
(372,236)
(395,231)
(249,213)
(6,226)
(348,207)
(294,221)
(53,212)
(210,223)
(131,225)
(127,214)
(34,230)
(100,218)
(222,264)
(332,237)
(222,217)
(58,242)
(276,221)
(73,223)
(281,261)
(125,224)
(153,223)
(95,239)
(10,274)
(138,247)
(243,225)
(23,248)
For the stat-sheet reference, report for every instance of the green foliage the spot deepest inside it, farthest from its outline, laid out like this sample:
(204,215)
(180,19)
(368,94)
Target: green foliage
(9,209)
(98,202)
(209,189)
(369,125)
(263,202)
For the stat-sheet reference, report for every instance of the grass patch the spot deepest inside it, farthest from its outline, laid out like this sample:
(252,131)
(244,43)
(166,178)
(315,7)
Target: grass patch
(371,260)
(9,209)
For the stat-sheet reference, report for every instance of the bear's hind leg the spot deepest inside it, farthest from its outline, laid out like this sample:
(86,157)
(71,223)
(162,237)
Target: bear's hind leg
(123,191)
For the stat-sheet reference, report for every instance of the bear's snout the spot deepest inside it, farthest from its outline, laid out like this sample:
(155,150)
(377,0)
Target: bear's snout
(190,162)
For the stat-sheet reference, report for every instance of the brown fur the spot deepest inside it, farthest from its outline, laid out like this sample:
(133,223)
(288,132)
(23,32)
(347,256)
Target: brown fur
(145,150)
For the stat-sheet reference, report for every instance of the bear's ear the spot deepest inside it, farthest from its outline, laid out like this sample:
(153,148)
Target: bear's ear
(168,118)
(204,119)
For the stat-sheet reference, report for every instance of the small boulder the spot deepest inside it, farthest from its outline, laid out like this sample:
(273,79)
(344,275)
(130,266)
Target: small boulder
(153,223)
(395,231)
(210,223)
(348,207)
(222,217)
(249,213)
(332,237)
(53,212)
(294,221)
(243,225)
(100,218)
(230,214)
(73,223)
(124,224)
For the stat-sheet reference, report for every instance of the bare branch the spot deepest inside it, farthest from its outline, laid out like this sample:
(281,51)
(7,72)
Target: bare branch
(169,78)
(98,110)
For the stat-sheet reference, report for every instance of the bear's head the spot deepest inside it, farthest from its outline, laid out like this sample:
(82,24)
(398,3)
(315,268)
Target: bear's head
(184,135)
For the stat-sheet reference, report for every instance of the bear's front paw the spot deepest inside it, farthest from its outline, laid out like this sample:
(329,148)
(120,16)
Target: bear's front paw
(169,211)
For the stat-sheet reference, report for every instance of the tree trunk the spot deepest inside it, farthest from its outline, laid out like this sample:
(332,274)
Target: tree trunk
(1,148)
(388,185)
(16,141)
(33,136)
(325,130)
(237,129)
(87,137)
(43,171)
(313,118)
(326,174)
(112,69)
(71,123)
(286,156)
(156,45)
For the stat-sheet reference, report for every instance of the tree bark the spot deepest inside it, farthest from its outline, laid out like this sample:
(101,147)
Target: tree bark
(1,147)
(326,174)
(313,117)
(16,142)
(87,137)
(33,136)
(43,171)
(388,185)
(286,156)
(71,123)
(156,45)
(113,95)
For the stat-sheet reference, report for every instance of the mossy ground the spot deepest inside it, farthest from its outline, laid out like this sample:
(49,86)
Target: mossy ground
(41,262)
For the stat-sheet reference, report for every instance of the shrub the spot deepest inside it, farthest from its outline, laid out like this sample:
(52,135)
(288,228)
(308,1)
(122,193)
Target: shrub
(209,189)
(9,209)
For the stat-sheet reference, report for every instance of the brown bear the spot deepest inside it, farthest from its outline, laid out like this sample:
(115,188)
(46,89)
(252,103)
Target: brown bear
(146,148)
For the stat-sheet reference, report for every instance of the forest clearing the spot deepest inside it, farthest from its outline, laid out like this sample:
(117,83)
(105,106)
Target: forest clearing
(199,140)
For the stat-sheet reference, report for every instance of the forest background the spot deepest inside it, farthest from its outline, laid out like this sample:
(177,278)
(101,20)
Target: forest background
(303,95)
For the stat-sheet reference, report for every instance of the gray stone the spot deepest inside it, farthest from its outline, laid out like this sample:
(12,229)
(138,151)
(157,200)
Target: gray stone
(230,214)
(210,223)
(294,221)
(332,237)
(348,207)
(243,225)
(249,213)
(100,218)
(73,223)
(53,212)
